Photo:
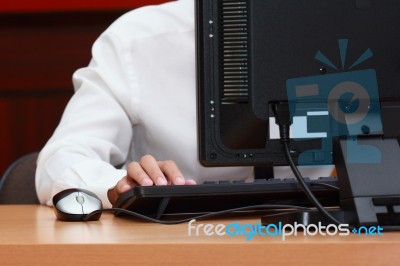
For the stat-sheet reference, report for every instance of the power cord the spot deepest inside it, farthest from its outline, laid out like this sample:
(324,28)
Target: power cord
(283,119)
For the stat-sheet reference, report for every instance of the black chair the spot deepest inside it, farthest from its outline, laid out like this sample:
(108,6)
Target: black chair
(17,186)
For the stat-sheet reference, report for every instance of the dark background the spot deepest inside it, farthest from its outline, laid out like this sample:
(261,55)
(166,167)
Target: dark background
(40,48)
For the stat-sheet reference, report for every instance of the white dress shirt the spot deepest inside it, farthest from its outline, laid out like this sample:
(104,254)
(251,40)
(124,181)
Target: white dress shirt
(136,97)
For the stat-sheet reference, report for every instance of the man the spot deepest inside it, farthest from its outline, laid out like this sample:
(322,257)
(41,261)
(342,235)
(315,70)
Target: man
(132,119)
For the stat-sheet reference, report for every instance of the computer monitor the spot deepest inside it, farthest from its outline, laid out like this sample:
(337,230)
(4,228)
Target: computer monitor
(336,62)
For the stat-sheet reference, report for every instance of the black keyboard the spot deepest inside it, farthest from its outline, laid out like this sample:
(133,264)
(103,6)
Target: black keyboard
(156,201)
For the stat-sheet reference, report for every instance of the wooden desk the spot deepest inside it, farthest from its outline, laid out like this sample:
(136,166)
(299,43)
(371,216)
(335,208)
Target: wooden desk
(30,235)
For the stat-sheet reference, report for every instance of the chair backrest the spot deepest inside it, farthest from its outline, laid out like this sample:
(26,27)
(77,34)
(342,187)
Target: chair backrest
(17,186)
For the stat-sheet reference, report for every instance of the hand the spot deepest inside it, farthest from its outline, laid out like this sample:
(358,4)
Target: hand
(147,172)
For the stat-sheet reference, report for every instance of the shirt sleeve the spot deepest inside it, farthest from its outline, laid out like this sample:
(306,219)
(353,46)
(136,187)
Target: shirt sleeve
(95,131)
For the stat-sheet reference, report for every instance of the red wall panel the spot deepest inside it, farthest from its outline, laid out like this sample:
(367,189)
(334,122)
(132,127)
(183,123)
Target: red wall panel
(57,5)
(39,51)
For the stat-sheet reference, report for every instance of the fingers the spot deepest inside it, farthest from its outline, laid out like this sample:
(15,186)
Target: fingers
(123,185)
(149,172)
(172,172)
(151,167)
(136,173)
(190,182)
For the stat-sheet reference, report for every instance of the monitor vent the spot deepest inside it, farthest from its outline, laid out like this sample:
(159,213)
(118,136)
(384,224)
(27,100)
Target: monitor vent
(235,53)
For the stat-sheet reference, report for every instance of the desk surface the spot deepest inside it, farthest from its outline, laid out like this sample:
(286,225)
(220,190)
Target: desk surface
(31,235)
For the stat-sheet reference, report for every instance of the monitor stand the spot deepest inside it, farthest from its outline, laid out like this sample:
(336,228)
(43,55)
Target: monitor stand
(369,186)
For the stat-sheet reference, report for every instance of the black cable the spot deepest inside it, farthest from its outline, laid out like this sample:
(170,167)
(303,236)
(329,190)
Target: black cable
(306,189)
(198,217)
(283,119)
(322,184)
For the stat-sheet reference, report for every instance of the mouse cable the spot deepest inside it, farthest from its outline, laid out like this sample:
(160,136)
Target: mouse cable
(198,217)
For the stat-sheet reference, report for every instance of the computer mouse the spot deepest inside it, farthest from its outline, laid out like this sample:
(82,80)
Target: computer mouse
(75,204)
